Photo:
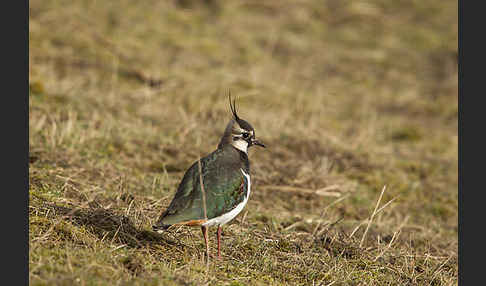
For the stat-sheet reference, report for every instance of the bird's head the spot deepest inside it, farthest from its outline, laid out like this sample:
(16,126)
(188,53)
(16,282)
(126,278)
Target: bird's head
(239,132)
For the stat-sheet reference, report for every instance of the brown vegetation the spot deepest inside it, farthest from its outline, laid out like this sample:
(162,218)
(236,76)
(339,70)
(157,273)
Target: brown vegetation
(348,96)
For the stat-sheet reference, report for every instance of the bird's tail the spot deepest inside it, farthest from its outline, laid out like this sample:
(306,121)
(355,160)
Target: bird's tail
(160,227)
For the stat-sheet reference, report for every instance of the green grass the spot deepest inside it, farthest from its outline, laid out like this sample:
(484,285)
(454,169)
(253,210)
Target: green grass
(348,96)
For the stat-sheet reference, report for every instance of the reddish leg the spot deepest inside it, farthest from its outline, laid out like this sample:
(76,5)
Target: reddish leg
(205,234)
(219,241)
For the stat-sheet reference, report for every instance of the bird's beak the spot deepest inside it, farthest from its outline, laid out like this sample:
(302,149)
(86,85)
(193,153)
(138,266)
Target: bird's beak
(256,142)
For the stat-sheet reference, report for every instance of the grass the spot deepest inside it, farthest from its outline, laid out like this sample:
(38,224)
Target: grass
(348,96)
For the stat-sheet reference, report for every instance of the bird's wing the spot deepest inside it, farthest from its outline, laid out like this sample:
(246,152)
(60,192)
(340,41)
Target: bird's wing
(228,189)
(224,185)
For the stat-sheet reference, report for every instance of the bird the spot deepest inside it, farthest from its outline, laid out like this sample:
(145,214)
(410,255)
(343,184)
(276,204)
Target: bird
(216,188)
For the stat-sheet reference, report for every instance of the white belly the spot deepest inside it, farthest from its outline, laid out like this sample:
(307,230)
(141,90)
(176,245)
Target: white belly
(223,219)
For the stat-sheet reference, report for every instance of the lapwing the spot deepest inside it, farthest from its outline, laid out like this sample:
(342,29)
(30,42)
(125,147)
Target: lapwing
(225,186)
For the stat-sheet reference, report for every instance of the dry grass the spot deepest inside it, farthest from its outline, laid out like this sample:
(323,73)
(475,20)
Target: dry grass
(348,96)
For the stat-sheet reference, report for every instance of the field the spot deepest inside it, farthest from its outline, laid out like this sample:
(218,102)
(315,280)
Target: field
(357,102)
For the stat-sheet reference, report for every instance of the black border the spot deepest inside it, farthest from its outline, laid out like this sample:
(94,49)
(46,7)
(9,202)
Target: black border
(460,61)
(15,143)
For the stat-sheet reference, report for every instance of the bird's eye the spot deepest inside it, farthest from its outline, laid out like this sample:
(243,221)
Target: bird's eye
(245,135)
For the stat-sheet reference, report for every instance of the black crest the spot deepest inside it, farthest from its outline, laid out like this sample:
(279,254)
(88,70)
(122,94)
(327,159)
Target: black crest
(233,106)
(243,124)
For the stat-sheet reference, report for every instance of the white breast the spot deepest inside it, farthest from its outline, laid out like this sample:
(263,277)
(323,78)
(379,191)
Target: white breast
(223,219)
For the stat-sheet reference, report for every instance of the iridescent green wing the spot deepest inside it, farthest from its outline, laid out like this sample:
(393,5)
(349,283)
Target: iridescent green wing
(224,186)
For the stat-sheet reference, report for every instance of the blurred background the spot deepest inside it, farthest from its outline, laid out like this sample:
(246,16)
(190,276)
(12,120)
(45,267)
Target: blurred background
(348,96)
